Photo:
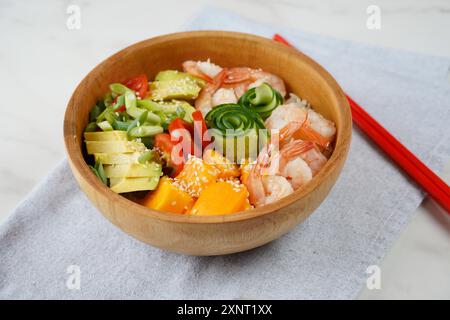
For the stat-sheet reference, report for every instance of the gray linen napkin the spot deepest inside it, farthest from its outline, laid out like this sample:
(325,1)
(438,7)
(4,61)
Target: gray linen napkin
(325,257)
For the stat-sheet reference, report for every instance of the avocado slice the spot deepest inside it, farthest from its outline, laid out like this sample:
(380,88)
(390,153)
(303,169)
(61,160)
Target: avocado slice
(186,107)
(117,158)
(133,170)
(175,74)
(115,135)
(122,185)
(184,89)
(114,146)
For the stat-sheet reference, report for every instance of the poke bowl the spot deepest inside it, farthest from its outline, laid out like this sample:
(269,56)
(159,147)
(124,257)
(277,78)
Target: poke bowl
(210,221)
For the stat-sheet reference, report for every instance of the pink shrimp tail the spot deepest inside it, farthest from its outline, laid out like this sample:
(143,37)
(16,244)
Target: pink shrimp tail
(205,96)
(296,148)
(255,187)
(308,133)
(236,75)
(289,130)
(191,67)
(303,131)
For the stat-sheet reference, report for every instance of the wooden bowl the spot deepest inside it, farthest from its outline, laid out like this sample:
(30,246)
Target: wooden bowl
(209,235)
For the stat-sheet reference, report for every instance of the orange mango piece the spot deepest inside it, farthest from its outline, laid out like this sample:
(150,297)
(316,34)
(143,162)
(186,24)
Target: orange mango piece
(196,176)
(168,197)
(245,169)
(227,169)
(221,197)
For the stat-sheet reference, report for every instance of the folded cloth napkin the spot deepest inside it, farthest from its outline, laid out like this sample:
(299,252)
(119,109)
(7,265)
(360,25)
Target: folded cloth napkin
(325,257)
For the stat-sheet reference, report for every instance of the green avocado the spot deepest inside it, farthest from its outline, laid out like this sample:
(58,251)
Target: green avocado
(188,109)
(122,185)
(117,158)
(133,170)
(184,89)
(115,135)
(175,74)
(114,146)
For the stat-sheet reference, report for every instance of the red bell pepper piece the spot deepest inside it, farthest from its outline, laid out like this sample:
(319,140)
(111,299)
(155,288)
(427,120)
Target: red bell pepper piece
(181,132)
(201,136)
(163,142)
(121,108)
(138,84)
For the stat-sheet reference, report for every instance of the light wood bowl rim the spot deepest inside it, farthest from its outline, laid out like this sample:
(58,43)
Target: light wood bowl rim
(342,139)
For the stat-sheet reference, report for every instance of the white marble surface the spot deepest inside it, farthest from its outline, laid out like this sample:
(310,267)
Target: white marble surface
(41,61)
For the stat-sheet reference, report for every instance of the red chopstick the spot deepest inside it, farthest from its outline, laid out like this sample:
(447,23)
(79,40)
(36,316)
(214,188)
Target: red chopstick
(405,159)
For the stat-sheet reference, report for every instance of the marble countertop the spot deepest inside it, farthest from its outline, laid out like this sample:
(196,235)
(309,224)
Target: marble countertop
(42,60)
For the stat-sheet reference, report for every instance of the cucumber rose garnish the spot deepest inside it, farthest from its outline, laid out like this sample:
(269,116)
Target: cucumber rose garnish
(236,131)
(262,100)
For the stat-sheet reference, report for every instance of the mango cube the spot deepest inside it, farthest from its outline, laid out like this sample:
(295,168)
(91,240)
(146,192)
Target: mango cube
(221,197)
(168,197)
(196,176)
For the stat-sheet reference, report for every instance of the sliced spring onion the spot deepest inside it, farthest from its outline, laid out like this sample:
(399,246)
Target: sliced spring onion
(105,126)
(96,111)
(98,170)
(95,172)
(151,105)
(91,127)
(130,99)
(108,99)
(111,116)
(120,125)
(137,122)
(119,88)
(102,116)
(152,118)
(135,112)
(144,131)
(101,172)
(119,103)
(146,156)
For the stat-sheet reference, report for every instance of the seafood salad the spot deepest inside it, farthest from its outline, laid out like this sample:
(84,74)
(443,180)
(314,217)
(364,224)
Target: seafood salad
(207,140)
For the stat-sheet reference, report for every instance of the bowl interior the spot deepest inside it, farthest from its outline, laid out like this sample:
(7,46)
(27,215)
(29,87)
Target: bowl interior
(301,75)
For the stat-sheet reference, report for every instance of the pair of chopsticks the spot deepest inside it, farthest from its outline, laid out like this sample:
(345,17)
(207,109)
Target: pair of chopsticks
(405,159)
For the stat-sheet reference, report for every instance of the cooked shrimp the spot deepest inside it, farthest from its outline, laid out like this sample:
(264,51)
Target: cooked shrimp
(293,98)
(240,88)
(208,68)
(276,187)
(299,122)
(293,166)
(284,114)
(243,78)
(264,182)
(227,85)
(297,172)
(204,101)
(267,189)
(202,69)
(297,162)
(256,191)
(224,95)
(307,151)
(237,75)
(266,165)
